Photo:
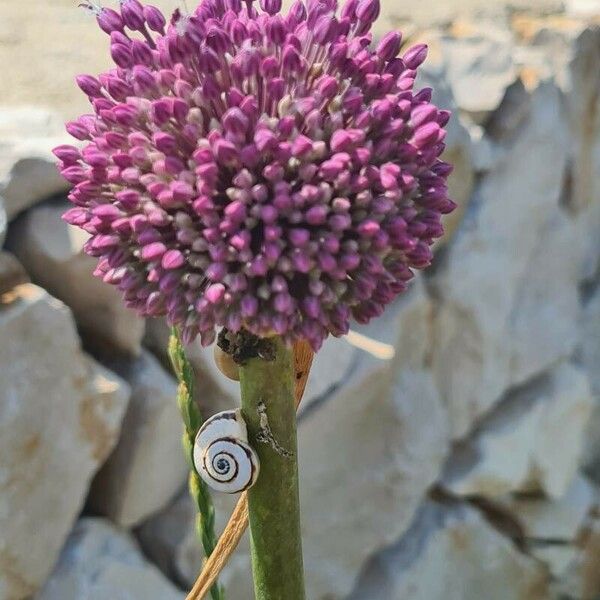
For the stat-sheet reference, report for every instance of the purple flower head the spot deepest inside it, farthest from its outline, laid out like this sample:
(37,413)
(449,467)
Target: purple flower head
(245,168)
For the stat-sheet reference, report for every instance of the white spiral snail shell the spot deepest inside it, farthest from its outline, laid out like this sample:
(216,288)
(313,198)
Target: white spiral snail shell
(222,455)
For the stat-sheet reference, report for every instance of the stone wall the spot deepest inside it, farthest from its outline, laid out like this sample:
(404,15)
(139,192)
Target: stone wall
(450,450)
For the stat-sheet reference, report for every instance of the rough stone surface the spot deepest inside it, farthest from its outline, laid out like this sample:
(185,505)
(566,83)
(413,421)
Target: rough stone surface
(516,448)
(383,451)
(60,416)
(28,171)
(545,519)
(487,265)
(147,468)
(101,562)
(590,358)
(581,578)
(12,272)
(544,322)
(51,251)
(452,553)
(479,66)
(575,567)
(169,540)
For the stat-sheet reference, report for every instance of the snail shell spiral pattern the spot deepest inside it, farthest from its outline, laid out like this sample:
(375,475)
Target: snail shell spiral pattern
(222,455)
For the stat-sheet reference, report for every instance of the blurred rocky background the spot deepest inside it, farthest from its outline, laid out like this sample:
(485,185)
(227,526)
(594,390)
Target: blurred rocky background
(449,451)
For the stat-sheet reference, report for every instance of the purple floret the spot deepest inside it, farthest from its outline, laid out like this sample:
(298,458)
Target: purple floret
(249,169)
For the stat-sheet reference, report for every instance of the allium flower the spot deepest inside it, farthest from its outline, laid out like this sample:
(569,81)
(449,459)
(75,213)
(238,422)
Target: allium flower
(250,169)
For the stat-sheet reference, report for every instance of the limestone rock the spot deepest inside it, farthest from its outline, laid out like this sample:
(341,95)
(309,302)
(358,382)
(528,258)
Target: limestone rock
(28,172)
(590,358)
(544,323)
(11,272)
(479,67)
(581,578)
(575,567)
(556,519)
(101,562)
(532,442)
(487,266)
(170,541)
(51,251)
(452,553)
(148,467)
(580,82)
(60,416)
(557,558)
(367,458)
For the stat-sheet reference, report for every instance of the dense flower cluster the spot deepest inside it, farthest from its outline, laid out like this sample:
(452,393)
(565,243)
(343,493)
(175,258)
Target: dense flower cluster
(246,168)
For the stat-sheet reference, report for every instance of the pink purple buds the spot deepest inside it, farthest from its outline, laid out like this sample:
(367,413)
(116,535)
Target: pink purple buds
(415,56)
(248,168)
(389,46)
(132,14)
(155,19)
(109,20)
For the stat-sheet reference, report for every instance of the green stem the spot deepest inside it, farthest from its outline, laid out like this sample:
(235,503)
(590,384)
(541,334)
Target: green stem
(192,420)
(274,505)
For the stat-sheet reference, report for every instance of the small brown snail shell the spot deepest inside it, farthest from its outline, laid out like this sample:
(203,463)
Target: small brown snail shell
(226,364)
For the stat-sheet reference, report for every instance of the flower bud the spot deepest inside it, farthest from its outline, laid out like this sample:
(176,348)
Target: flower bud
(389,46)
(155,19)
(415,56)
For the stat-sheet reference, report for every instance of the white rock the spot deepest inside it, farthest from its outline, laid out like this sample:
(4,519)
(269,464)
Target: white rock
(580,81)
(479,68)
(170,541)
(51,251)
(28,170)
(556,519)
(483,149)
(60,416)
(544,323)
(516,448)
(590,359)
(148,467)
(100,562)
(367,458)
(452,553)
(557,557)
(581,578)
(487,265)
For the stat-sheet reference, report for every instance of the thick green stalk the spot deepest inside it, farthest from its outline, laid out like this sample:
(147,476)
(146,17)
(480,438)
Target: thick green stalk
(192,420)
(269,410)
